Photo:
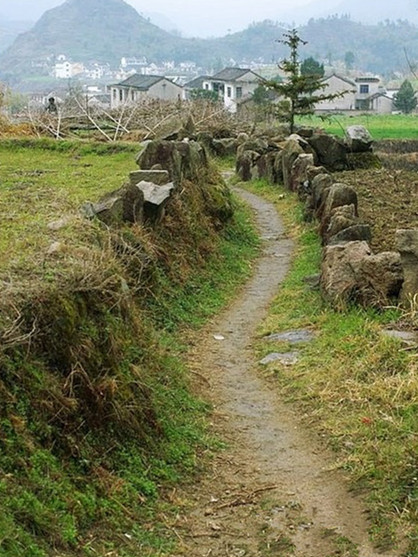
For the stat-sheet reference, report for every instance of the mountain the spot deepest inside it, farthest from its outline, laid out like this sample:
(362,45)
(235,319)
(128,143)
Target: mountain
(101,30)
(9,30)
(107,30)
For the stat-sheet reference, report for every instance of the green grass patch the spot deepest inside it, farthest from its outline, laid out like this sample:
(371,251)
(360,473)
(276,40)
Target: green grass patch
(387,126)
(358,387)
(42,181)
(98,423)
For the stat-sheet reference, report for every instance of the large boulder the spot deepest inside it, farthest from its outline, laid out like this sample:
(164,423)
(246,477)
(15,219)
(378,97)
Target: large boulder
(225,147)
(407,245)
(181,159)
(331,152)
(351,273)
(358,139)
(341,217)
(383,276)
(340,271)
(338,195)
(355,232)
(159,177)
(123,205)
(246,164)
(299,172)
(291,151)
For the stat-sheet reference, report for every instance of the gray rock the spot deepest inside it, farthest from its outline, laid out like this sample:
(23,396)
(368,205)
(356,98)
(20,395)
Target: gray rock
(224,147)
(159,177)
(331,151)
(285,358)
(155,194)
(293,337)
(352,233)
(358,139)
(245,165)
(350,272)
(409,338)
(407,245)
(340,271)
(181,159)
(299,171)
(290,153)
(341,217)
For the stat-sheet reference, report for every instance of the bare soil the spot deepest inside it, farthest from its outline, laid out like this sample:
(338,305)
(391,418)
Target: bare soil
(275,490)
(388,198)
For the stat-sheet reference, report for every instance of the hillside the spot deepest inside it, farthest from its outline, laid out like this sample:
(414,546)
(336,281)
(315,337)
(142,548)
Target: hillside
(107,30)
(88,30)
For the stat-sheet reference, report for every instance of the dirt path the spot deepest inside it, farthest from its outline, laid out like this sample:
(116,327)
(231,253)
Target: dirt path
(273,491)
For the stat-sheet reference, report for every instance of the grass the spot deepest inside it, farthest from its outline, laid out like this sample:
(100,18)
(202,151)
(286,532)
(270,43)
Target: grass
(388,126)
(97,420)
(44,181)
(355,385)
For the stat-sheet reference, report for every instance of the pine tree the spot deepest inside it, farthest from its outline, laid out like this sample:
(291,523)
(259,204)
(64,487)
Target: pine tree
(302,91)
(405,99)
(312,67)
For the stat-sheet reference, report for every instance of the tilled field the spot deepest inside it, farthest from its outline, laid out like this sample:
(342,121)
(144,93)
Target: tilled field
(388,200)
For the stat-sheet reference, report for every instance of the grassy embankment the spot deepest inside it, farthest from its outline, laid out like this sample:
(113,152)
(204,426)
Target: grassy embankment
(390,126)
(97,421)
(356,387)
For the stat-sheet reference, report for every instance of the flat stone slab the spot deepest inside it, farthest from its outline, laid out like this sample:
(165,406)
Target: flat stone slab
(294,337)
(159,177)
(155,194)
(285,358)
(408,337)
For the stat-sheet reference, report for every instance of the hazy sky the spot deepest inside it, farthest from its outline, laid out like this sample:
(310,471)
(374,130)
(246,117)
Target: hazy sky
(216,17)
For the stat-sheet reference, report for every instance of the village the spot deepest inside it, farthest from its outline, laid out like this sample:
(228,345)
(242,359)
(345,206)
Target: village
(136,79)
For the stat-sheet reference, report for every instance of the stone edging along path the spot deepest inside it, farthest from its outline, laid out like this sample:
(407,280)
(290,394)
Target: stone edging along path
(274,490)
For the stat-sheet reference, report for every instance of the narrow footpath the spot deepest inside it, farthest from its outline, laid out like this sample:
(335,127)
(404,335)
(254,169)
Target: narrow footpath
(274,491)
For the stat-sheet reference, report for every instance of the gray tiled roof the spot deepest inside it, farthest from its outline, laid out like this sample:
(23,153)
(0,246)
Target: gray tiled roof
(197,82)
(143,82)
(230,74)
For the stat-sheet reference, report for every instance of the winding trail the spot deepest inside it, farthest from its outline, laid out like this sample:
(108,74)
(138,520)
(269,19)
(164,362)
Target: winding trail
(274,491)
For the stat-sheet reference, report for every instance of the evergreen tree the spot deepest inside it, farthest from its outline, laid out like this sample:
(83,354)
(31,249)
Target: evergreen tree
(312,67)
(349,59)
(302,91)
(405,99)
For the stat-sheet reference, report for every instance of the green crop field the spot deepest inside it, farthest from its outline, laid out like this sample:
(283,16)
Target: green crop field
(385,126)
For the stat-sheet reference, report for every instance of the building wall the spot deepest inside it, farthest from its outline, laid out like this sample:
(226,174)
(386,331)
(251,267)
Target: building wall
(337,85)
(164,90)
(232,91)
(382,105)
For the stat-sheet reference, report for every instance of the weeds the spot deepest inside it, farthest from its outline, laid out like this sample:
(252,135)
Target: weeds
(355,385)
(96,415)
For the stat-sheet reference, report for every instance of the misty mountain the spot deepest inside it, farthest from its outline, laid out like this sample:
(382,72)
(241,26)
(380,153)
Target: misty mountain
(107,30)
(359,10)
(9,30)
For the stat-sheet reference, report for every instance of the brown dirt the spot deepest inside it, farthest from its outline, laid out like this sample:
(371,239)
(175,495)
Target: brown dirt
(275,490)
(388,200)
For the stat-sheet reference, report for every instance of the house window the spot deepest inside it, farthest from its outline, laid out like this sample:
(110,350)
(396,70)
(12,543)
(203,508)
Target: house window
(115,94)
(121,95)
(364,89)
(132,94)
(239,92)
(206,85)
(228,91)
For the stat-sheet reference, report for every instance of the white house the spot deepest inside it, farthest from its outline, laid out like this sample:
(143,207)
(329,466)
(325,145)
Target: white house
(64,69)
(366,88)
(337,84)
(232,85)
(138,87)
(364,93)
